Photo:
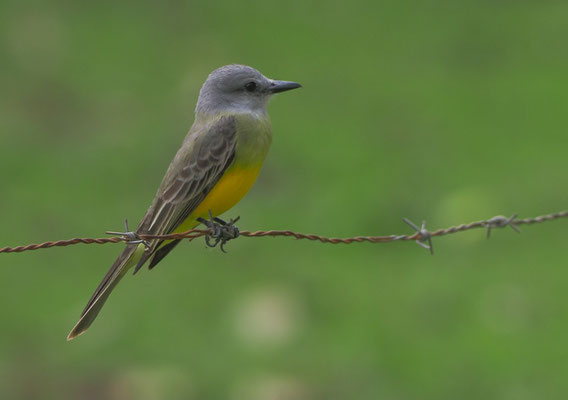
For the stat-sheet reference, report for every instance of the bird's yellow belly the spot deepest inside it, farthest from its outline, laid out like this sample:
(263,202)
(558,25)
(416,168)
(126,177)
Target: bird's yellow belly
(233,185)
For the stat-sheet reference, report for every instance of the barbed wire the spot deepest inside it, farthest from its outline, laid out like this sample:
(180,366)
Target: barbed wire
(421,235)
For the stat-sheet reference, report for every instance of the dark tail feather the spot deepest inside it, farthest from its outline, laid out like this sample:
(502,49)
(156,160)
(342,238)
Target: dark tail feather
(161,253)
(111,279)
(157,256)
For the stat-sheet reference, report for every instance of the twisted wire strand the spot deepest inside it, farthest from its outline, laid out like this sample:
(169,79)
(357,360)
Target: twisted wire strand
(421,235)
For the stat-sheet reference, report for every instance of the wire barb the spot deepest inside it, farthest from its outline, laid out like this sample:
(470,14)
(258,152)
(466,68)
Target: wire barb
(130,237)
(501,221)
(424,235)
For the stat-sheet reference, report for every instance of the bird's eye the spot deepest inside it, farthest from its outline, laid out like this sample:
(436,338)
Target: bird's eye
(250,86)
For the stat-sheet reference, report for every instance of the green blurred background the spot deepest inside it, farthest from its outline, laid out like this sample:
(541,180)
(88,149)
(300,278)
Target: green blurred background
(444,111)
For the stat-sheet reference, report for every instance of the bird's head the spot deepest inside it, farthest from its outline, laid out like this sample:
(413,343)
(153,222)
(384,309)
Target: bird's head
(239,88)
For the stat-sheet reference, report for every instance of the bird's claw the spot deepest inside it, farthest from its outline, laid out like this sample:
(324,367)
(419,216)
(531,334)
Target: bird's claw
(220,231)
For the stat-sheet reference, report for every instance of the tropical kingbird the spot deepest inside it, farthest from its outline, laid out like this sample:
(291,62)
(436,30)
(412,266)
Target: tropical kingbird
(217,164)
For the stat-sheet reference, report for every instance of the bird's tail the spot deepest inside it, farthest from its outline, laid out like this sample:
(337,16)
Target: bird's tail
(128,258)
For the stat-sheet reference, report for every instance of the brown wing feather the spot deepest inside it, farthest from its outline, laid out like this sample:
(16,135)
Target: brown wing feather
(205,154)
(181,193)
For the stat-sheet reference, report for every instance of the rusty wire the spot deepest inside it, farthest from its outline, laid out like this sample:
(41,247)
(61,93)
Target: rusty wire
(422,236)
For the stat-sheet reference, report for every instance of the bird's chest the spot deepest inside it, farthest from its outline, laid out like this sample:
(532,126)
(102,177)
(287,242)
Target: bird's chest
(229,190)
(252,143)
(254,136)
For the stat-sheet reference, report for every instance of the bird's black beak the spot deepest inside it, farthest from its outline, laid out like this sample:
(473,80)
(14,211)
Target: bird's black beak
(282,86)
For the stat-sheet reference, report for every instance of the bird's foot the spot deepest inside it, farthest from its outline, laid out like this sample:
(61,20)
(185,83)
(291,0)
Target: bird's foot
(220,231)
(130,237)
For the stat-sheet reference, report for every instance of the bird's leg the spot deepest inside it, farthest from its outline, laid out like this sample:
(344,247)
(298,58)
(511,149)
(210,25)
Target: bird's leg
(130,237)
(221,231)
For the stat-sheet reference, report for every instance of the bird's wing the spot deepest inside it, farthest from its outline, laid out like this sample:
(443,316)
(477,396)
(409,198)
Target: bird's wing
(197,167)
(204,156)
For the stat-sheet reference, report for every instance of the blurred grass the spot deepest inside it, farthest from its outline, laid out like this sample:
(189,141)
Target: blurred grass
(443,111)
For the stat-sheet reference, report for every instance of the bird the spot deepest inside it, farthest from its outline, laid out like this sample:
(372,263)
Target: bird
(216,165)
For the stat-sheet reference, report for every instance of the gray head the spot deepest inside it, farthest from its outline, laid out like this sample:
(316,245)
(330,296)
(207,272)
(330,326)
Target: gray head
(238,88)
